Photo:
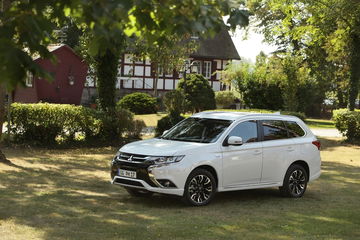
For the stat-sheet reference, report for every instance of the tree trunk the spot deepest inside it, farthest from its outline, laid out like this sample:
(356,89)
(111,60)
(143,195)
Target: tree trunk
(107,68)
(355,71)
(2,118)
(156,67)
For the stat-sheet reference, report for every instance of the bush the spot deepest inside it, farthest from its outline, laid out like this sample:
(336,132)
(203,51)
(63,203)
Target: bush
(45,123)
(224,98)
(174,101)
(198,93)
(348,123)
(138,103)
(167,122)
(296,114)
(261,94)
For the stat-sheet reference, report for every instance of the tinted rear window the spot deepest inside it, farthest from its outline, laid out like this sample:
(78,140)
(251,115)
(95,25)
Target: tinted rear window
(274,130)
(294,129)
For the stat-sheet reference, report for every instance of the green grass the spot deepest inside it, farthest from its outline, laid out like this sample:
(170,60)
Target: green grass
(66,194)
(150,119)
(320,123)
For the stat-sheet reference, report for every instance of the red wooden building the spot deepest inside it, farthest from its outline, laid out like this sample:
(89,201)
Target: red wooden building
(69,73)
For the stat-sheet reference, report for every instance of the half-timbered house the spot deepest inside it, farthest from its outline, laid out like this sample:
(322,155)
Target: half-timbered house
(212,56)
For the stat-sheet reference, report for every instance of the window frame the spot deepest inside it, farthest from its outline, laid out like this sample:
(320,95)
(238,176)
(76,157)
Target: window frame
(29,80)
(207,69)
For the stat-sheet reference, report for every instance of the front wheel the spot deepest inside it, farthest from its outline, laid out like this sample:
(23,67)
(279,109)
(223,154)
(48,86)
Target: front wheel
(200,188)
(295,182)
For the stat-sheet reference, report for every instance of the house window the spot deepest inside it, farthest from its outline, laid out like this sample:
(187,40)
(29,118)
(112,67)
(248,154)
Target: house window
(207,69)
(29,79)
(199,67)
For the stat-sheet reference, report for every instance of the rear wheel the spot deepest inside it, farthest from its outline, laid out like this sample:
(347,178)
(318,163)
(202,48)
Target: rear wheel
(139,192)
(295,182)
(200,188)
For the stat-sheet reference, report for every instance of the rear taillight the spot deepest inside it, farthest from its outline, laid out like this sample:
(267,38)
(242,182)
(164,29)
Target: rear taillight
(317,144)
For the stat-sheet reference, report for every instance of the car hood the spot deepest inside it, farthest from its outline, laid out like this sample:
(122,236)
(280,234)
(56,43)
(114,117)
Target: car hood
(160,147)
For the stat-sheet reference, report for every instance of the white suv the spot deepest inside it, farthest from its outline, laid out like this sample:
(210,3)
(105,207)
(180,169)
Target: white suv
(213,152)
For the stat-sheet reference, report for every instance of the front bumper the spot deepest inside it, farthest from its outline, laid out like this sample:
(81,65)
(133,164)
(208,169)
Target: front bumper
(148,177)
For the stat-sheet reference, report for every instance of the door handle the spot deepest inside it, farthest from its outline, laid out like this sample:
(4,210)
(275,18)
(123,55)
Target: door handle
(290,149)
(257,152)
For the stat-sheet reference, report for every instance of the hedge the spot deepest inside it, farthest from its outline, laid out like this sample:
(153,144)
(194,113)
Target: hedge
(46,123)
(138,103)
(348,124)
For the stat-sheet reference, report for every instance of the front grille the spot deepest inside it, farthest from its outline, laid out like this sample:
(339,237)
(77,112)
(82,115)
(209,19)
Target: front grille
(132,157)
(128,182)
(140,168)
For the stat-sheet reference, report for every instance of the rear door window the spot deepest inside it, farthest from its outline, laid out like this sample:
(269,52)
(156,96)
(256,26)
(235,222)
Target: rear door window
(294,129)
(274,130)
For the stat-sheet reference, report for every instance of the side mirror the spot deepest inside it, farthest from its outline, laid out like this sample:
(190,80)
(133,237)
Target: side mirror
(165,132)
(234,140)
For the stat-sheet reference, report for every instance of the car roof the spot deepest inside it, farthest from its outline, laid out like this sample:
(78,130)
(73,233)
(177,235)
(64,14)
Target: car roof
(232,115)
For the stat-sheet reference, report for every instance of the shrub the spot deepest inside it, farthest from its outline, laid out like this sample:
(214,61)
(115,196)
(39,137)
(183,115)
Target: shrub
(296,114)
(224,98)
(174,101)
(198,93)
(44,123)
(167,122)
(348,123)
(138,103)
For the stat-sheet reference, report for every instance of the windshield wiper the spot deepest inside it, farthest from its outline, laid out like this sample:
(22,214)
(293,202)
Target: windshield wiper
(184,140)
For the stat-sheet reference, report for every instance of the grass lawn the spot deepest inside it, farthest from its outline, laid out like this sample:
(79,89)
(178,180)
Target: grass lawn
(150,119)
(66,194)
(320,123)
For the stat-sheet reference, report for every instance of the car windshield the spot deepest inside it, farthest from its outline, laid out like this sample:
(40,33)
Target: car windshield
(201,130)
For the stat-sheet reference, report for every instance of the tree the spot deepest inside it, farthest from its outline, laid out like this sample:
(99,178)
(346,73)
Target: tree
(323,32)
(198,92)
(27,27)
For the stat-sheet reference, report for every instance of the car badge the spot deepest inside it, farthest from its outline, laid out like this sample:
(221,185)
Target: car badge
(130,158)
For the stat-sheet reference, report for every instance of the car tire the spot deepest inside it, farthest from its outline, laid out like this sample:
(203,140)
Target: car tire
(295,182)
(139,192)
(200,188)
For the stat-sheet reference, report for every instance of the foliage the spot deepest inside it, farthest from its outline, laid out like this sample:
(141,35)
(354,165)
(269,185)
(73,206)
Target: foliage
(300,115)
(174,101)
(348,123)
(27,27)
(269,84)
(198,93)
(167,122)
(46,124)
(325,34)
(138,103)
(224,98)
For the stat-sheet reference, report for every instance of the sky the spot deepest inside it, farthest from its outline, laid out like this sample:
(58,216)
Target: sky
(251,47)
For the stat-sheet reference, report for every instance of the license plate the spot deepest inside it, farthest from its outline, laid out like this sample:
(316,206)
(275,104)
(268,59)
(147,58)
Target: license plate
(127,173)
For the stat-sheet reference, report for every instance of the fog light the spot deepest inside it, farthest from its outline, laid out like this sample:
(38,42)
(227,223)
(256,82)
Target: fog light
(166,183)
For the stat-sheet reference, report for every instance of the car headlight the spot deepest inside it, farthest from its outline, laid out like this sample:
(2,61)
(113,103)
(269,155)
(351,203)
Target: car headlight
(159,160)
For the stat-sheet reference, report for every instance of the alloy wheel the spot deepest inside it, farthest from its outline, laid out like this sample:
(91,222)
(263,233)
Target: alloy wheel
(297,182)
(200,189)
